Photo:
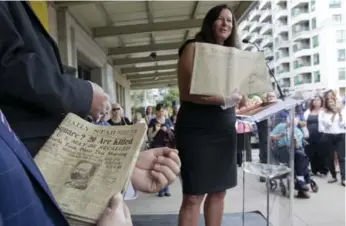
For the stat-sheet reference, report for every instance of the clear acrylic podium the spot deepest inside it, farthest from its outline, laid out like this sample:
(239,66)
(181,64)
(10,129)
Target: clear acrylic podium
(275,197)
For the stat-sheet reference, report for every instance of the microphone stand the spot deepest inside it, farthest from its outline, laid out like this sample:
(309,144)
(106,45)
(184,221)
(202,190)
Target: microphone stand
(281,94)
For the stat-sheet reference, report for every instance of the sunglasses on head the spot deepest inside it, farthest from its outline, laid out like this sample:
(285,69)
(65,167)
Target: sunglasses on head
(116,109)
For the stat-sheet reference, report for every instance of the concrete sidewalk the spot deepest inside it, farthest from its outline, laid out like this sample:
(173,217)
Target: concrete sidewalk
(325,208)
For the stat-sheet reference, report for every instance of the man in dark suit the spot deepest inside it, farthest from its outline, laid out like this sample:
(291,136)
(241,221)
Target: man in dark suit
(35,93)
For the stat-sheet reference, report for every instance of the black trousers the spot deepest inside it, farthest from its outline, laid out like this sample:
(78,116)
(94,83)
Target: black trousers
(262,128)
(244,143)
(317,153)
(336,142)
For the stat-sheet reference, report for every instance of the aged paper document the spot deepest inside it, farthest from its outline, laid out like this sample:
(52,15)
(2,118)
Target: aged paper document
(86,164)
(220,70)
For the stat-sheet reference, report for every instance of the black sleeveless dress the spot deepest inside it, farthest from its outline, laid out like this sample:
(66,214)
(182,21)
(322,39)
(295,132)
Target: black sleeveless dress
(206,141)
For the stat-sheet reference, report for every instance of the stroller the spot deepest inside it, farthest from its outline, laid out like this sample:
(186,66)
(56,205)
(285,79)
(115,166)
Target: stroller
(280,156)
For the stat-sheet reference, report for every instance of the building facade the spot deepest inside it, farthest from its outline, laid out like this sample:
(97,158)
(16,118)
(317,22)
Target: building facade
(80,51)
(304,42)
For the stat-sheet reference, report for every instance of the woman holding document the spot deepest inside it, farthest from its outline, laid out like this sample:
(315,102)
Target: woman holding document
(205,129)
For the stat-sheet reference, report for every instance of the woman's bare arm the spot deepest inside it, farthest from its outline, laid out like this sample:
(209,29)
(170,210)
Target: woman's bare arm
(185,67)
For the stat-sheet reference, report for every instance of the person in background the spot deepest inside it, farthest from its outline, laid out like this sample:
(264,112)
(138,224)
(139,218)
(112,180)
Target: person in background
(161,135)
(175,113)
(316,149)
(280,135)
(138,118)
(36,93)
(118,118)
(333,125)
(262,128)
(149,114)
(205,128)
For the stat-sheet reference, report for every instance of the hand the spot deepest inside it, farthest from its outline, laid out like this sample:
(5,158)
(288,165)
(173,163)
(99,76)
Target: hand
(155,169)
(157,126)
(100,99)
(164,128)
(116,214)
(231,101)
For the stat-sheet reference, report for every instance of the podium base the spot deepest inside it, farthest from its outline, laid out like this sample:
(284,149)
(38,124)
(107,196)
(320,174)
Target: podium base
(234,219)
(265,170)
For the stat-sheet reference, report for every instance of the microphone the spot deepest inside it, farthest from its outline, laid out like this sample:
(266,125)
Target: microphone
(282,96)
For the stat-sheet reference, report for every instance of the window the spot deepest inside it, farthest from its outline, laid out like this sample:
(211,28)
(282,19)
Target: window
(315,42)
(313,5)
(296,64)
(337,18)
(341,36)
(342,73)
(317,77)
(341,55)
(316,59)
(334,3)
(295,48)
(313,23)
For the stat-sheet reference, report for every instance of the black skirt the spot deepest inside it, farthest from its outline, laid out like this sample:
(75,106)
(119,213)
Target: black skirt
(206,141)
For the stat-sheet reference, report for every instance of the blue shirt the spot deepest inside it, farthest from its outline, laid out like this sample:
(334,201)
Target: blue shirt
(285,140)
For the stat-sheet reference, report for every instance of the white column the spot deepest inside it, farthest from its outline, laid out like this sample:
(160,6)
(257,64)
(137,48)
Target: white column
(66,38)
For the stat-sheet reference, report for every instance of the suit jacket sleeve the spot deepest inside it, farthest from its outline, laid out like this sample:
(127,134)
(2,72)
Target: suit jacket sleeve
(30,77)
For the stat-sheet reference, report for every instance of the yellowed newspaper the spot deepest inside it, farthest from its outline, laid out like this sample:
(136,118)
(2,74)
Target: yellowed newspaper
(219,70)
(86,164)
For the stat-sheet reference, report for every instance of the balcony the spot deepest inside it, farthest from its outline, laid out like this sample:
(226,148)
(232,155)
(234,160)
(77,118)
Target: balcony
(244,25)
(303,67)
(266,29)
(247,47)
(280,28)
(256,38)
(299,3)
(255,27)
(303,33)
(254,15)
(264,4)
(268,54)
(280,2)
(245,35)
(303,79)
(285,82)
(302,16)
(280,14)
(283,74)
(302,51)
(267,41)
(283,59)
(266,16)
(282,43)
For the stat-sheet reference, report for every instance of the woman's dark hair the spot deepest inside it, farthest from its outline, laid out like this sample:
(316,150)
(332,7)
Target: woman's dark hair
(147,110)
(160,106)
(312,102)
(206,34)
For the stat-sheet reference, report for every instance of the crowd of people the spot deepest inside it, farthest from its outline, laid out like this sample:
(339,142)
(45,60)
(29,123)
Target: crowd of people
(319,133)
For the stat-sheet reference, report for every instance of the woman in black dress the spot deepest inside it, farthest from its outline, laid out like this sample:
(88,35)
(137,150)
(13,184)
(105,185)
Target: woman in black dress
(205,129)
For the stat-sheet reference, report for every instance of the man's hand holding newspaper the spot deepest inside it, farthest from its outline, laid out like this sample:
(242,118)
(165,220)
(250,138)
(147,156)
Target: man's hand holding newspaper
(154,169)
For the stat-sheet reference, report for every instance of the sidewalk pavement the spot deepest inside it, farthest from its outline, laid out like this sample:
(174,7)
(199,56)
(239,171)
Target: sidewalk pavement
(325,208)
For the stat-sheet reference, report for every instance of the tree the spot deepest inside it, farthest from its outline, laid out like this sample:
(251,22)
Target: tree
(170,94)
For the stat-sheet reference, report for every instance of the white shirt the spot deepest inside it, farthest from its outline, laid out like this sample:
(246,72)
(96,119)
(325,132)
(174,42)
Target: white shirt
(327,126)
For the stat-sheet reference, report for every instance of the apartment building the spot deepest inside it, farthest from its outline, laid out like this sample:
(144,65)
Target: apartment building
(304,42)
